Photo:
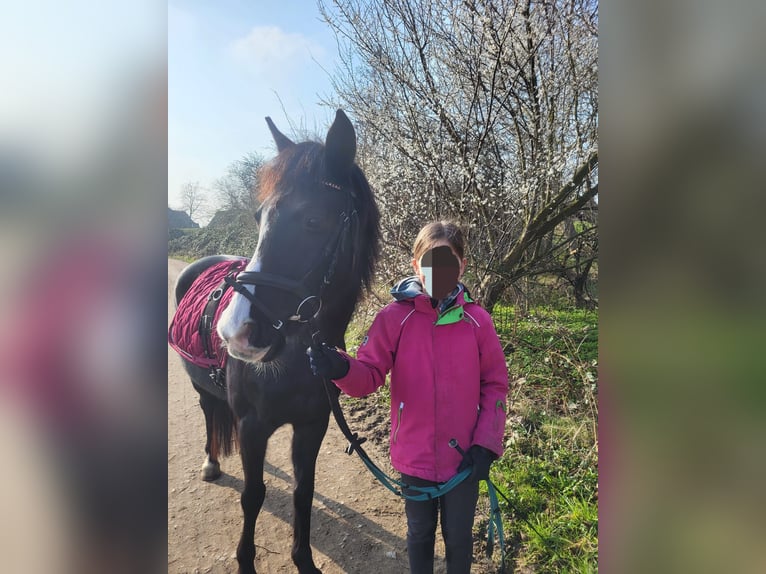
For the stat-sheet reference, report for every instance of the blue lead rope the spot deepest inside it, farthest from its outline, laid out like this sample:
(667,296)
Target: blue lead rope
(430,492)
(425,492)
(495,527)
(495,523)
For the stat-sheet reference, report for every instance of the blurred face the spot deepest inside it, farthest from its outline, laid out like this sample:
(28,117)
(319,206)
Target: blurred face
(439,270)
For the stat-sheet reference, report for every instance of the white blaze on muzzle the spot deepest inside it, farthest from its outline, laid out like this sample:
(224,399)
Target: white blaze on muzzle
(237,313)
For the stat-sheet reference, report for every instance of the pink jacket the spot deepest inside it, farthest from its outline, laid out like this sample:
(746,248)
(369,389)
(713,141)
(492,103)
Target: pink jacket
(448,380)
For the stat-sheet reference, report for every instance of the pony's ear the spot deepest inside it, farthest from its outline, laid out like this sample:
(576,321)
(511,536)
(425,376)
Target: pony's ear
(280,139)
(340,145)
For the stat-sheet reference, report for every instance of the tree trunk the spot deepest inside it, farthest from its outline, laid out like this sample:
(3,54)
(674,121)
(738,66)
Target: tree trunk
(578,285)
(489,293)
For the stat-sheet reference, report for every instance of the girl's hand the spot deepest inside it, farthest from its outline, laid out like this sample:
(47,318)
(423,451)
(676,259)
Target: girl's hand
(327,362)
(480,459)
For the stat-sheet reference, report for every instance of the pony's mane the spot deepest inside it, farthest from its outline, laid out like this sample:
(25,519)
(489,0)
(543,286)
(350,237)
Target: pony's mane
(303,164)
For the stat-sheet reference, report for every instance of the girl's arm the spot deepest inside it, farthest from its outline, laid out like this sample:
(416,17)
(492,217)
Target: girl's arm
(374,359)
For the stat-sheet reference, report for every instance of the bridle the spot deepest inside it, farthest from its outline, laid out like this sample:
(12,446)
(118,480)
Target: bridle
(310,304)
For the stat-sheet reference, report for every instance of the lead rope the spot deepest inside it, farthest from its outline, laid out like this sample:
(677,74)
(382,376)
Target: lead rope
(398,487)
(495,523)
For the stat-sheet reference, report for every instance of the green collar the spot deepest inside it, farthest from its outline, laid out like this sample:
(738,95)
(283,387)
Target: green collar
(451,315)
(454,313)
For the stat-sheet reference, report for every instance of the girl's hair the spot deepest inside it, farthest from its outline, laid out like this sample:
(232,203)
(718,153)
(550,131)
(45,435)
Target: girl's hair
(438,231)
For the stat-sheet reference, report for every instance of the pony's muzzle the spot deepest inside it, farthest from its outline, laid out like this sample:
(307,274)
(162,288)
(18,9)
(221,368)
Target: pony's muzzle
(253,342)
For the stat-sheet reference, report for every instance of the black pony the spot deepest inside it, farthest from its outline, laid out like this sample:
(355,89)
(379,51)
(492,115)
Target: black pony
(317,246)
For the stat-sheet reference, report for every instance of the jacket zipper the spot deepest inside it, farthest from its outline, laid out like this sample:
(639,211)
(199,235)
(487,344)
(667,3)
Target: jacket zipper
(398,420)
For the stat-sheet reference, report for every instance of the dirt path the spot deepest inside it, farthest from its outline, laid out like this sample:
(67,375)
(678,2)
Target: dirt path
(358,526)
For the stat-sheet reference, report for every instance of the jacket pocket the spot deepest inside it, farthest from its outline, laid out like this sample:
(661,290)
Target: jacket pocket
(398,421)
(499,415)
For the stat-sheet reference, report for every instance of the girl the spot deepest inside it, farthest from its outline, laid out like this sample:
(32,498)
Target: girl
(448,381)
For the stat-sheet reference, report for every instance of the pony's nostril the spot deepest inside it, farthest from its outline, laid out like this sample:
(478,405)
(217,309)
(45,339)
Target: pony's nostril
(258,336)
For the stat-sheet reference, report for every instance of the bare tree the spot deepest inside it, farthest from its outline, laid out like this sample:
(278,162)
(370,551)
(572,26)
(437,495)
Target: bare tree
(235,189)
(483,111)
(192,198)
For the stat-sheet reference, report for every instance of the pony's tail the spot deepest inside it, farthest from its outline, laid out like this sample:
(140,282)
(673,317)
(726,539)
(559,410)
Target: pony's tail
(224,427)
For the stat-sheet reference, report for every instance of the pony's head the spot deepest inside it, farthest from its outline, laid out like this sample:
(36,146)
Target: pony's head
(317,245)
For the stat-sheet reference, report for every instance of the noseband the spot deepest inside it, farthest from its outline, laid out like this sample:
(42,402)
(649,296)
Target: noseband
(310,304)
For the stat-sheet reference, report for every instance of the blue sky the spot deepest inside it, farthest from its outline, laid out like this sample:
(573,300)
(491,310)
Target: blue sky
(230,64)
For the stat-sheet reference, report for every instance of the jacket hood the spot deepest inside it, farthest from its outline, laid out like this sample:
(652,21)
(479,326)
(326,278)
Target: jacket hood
(411,287)
(407,288)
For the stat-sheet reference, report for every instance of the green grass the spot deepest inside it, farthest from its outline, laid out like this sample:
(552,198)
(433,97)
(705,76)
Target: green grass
(550,468)
(182,257)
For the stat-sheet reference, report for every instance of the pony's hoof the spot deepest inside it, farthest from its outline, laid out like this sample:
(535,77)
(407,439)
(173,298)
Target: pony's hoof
(210,471)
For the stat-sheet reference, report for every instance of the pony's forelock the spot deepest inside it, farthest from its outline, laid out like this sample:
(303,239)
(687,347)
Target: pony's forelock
(282,173)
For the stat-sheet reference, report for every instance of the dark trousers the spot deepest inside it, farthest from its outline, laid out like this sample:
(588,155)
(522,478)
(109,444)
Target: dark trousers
(457,508)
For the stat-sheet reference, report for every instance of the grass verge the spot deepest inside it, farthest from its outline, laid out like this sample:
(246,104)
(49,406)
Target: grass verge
(549,471)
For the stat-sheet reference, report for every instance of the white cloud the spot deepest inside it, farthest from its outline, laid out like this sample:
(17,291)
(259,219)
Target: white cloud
(270,51)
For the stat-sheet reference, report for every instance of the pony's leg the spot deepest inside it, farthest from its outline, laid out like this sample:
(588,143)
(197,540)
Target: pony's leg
(253,438)
(306,442)
(211,469)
